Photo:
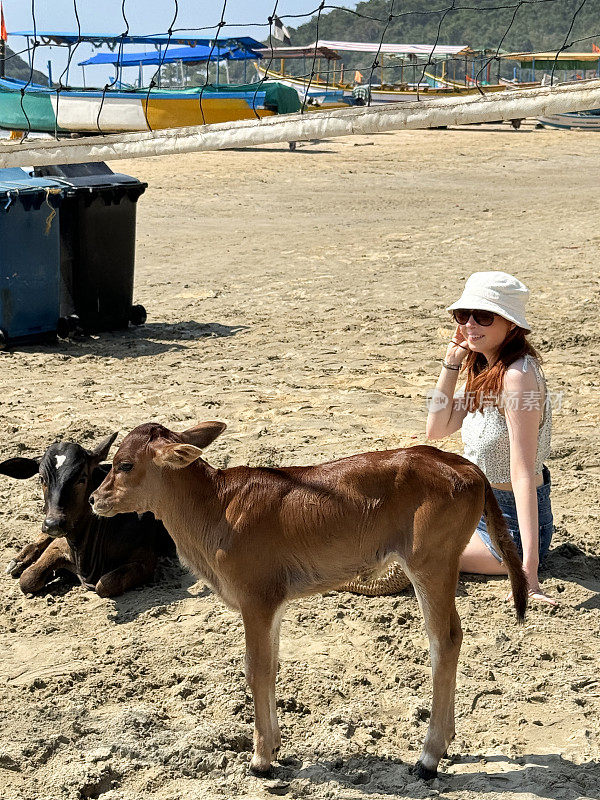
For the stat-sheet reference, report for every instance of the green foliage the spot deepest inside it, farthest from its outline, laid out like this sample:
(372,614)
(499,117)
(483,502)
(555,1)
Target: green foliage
(538,26)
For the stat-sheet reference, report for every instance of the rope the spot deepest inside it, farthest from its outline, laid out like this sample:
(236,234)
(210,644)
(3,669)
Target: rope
(52,214)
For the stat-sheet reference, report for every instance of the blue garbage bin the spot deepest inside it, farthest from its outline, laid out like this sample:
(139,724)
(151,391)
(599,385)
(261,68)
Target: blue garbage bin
(29,257)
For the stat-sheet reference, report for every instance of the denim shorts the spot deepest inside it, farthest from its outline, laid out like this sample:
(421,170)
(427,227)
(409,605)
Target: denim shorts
(506,501)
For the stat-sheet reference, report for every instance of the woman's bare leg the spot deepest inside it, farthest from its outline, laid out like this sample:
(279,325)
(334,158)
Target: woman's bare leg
(477,558)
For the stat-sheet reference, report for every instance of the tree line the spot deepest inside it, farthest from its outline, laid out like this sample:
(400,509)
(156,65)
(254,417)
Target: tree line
(517,26)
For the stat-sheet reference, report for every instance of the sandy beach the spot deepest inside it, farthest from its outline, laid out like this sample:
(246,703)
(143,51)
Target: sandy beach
(299,297)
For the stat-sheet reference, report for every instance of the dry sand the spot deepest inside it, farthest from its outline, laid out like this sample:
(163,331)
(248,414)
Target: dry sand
(299,297)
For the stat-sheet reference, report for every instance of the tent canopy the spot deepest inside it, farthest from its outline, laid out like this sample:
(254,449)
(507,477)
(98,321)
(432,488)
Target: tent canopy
(299,52)
(396,49)
(188,54)
(114,40)
(547,60)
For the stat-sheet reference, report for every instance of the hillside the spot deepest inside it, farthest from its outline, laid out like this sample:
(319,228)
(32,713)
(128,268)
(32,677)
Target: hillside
(541,25)
(17,68)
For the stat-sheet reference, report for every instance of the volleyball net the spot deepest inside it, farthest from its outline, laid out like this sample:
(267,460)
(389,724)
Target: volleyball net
(381,85)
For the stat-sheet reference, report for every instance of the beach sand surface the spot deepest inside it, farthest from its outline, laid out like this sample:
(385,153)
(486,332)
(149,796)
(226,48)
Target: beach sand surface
(300,298)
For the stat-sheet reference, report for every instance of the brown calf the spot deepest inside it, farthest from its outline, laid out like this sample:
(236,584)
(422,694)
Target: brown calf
(261,537)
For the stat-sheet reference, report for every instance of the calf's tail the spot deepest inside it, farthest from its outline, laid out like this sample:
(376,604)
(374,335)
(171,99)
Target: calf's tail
(502,541)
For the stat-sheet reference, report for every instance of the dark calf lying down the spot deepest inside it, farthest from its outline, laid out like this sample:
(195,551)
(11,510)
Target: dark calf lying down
(261,537)
(107,555)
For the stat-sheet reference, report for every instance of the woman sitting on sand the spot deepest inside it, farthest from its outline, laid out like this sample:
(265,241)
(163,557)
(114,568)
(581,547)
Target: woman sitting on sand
(504,416)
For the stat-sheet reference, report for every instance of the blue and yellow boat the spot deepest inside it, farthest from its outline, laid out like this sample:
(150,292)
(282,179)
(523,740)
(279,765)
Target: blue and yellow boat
(94,111)
(120,108)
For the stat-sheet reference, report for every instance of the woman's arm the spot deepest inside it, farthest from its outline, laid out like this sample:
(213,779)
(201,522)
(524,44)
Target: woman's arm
(446,414)
(523,409)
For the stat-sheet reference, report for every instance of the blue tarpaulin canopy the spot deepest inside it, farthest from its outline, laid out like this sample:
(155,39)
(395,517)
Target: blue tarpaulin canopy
(114,40)
(188,54)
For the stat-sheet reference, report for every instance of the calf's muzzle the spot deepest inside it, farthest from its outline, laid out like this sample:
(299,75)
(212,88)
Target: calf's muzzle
(100,507)
(54,525)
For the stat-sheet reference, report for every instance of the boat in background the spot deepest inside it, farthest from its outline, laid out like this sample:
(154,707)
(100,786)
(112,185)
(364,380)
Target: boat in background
(121,108)
(86,111)
(571,67)
(580,120)
(413,68)
(563,67)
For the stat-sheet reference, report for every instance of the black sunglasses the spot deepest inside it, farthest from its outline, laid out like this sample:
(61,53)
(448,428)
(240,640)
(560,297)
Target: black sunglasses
(484,318)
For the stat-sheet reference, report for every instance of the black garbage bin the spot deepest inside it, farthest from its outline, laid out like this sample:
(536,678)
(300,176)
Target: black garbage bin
(97,233)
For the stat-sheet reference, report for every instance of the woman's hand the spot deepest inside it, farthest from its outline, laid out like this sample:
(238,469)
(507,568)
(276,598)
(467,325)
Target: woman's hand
(457,348)
(536,594)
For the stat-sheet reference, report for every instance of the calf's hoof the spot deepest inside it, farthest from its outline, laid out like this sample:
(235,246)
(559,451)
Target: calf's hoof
(261,763)
(29,586)
(260,772)
(14,568)
(108,588)
(102,590)
(421,771)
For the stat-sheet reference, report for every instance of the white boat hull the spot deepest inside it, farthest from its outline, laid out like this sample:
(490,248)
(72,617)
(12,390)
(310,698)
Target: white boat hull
(580,121)
(116,114)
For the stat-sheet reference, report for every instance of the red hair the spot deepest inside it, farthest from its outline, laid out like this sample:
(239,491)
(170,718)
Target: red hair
(484,382)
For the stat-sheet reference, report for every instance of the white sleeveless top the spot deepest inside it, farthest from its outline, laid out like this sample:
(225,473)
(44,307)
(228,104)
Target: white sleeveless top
(485,433)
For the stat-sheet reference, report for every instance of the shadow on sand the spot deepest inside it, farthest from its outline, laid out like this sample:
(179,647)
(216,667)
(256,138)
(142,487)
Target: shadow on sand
(570,563)
(171,583)
(550,777)
(150,339)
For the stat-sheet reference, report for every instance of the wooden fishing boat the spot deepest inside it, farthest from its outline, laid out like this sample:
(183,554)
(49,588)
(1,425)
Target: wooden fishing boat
(32,111)
(561,67)
(122,108)
(404,65)
(580,120)
(557,68)
(115,111)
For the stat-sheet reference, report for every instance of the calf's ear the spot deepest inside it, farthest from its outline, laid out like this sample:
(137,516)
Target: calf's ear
(100,452)
(202,435)
(20,467)
(176,456)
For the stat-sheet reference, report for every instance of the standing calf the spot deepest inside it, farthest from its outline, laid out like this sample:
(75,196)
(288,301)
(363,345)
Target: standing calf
(261,537)
(107,555)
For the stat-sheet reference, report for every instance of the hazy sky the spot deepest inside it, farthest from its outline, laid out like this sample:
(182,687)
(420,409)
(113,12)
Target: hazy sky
(144,16)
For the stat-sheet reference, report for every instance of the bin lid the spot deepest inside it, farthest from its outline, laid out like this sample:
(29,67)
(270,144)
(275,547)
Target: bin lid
(92,175)
(74,170)
(17,181)
(91,182)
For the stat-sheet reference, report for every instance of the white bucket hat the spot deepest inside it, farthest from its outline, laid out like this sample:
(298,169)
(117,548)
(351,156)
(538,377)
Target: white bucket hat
(498,292)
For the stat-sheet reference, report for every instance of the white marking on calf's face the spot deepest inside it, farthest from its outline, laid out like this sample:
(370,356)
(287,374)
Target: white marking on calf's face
(60,460)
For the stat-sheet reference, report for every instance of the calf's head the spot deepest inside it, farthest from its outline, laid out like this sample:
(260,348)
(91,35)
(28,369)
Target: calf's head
(68,473)
(133,483)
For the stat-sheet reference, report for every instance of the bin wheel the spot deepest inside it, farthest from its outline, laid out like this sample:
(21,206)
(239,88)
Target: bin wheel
(3,339)
(70,326)
(137,315)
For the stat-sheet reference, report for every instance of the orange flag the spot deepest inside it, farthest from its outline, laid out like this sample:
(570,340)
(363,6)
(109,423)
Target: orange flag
(3,34)
(358,77)
(595,48)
